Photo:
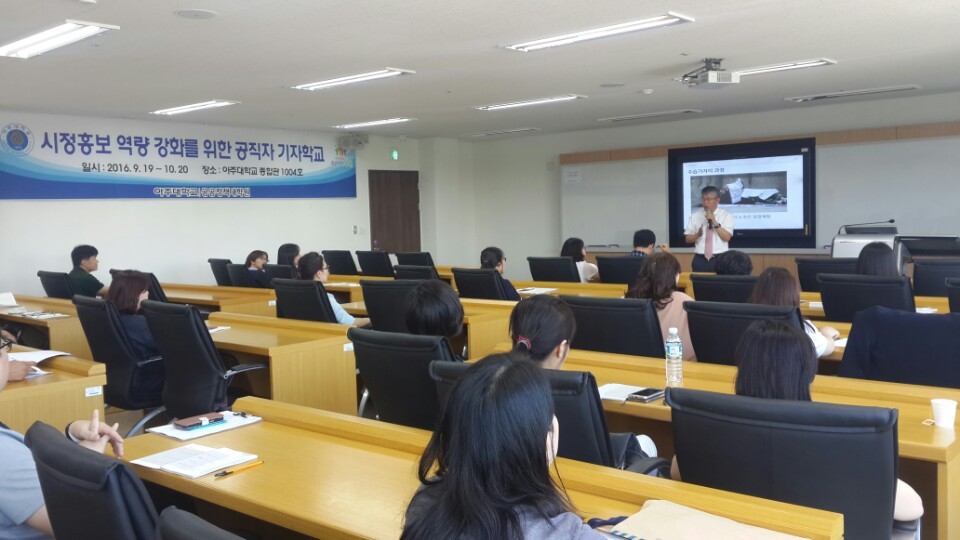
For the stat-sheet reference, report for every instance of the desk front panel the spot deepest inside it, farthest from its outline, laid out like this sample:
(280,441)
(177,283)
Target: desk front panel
(64,333)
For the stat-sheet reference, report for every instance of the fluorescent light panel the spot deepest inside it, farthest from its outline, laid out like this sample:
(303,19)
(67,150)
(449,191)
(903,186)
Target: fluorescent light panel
(502,132)
(58,36)
(351,79)
(530,102)
(195,107)
(374,123)
(848,93)
(786,66)
(604,31)
(614,119)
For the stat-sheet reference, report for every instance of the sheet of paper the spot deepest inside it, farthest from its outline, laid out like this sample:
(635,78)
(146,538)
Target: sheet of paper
(818,305)
(842,342)
(42,315)
(343,284)
(536,290)
(35,356)
(216,329)
(36,372)
(926,310)
(194,460)
(617,392)
(231,420)
(7,299)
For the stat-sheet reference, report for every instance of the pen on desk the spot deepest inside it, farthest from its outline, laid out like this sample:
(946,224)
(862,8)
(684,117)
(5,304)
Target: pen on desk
(238,468)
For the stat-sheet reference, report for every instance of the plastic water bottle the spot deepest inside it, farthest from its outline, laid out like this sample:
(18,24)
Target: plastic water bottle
(674,348)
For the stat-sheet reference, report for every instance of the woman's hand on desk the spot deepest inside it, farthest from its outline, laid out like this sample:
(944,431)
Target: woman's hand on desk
(830,332)
(18,370)
(95,435)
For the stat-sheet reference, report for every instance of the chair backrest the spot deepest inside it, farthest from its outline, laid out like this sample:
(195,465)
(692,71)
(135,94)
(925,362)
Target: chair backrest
(711,288)
(88,496)
(386,302)
(196,379)
(484,283)
(809,267)
(930,275)
(616,325)
(619,269)
(716,327)
(111,345)
(419,258)
(903,347)
(953,294)
(176,524)
(239,276)
(844,295)
(553,269)
(394,369)
(375,263)
(154,290)
(220,274)
(278,271)
(406,271)
(56,284)
(303,299)
(340,262)
(822,455)
(576,403)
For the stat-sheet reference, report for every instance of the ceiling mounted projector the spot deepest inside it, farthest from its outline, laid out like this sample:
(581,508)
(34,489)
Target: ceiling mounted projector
(710,75)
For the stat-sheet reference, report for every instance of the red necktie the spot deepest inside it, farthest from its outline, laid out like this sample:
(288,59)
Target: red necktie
(708,245)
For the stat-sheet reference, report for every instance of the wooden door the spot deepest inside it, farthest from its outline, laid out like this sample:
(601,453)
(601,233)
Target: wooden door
(394,211)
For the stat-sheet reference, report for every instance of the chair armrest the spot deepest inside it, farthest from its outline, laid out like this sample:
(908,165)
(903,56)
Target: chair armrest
(241,368)
(654,466)
(149,361)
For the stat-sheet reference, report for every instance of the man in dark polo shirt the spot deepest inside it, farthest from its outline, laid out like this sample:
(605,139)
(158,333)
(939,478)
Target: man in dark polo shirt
(85,261)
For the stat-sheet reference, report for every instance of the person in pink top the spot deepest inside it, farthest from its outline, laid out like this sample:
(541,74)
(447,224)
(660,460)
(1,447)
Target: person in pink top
(657,281)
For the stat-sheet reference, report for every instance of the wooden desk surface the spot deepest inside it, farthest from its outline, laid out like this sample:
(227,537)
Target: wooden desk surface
(604,290)
(941,304)
(64,333)
(249,300)
(354,477)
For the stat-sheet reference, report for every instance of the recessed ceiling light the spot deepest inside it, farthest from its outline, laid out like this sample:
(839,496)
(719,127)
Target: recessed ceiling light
(646,91)
(604,31)
(213,104)
(195,14)
(848,93)
(615,119)
(502,132)
(612,85)
(58,36)
(351,79)
(373,123)
(530,102)
(785,66)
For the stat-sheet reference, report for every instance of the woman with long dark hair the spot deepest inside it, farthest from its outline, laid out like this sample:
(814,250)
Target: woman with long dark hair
(434,309)
(657,281)
(128,289)
(254,263)
(493,257)
(486,470)
(576,250)
(289,254)
(877,259)
(312,267)
(777,287)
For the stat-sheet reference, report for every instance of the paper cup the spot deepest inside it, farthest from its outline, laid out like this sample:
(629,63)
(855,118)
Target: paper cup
(944,412)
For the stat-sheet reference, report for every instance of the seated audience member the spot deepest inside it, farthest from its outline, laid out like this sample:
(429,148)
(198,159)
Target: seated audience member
(255,261)
(493,257)
(777,287)
(289,255)
(645,243)
(733,263)
(657,281)
(85,261)
(486,471)
(312,267)
(877,259)
(434,309)
(575,249)
(128,290)
(23,514)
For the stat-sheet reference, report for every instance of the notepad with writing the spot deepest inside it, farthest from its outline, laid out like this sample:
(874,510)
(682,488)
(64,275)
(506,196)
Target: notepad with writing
(617,392)
(194,460)
(536,290)
(672,521)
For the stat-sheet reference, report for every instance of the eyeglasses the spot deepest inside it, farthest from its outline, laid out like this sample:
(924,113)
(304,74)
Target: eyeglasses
(326,268)
(708,199)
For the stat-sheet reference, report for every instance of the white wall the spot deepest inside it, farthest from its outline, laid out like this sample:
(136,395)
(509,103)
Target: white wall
(447,213)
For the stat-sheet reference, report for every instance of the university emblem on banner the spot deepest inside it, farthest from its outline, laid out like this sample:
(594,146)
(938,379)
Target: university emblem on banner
(16,139)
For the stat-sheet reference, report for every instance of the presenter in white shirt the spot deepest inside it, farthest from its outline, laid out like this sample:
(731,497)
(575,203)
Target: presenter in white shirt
(709,230)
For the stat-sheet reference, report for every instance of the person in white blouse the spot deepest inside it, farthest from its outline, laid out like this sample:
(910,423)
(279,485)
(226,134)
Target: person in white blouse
(710,230)
(575,249)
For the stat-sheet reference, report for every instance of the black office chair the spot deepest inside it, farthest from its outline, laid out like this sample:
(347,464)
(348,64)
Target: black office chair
(89,496)
(484,283)
(404,271)
(716,327)
(375,263)
(839,458)
(843,296)
(340,262)
(154,290)
(930,275)
(56,284)
(386,302)
(394,369)
(240,276)
(279,271)
(176,524)
(809,267)
(220,274)
(953,294)
(579,412)
(305,300)
(619,269)
(553,269)
(616,325)
(132,382)
(419,258)
(196,378)
(712,288)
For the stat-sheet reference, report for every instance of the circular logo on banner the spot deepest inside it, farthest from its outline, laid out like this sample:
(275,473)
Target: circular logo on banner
(16,139)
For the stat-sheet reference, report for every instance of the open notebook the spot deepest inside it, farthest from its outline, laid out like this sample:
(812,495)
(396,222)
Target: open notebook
(194,460)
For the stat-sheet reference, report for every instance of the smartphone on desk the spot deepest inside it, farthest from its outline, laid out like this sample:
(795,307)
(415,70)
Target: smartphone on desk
(201,420)
(646,395)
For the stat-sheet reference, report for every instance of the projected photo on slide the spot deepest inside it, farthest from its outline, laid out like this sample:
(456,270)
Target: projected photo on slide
(744,193)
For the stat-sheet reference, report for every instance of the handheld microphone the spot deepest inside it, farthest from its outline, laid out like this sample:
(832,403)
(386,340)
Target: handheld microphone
(869,223)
